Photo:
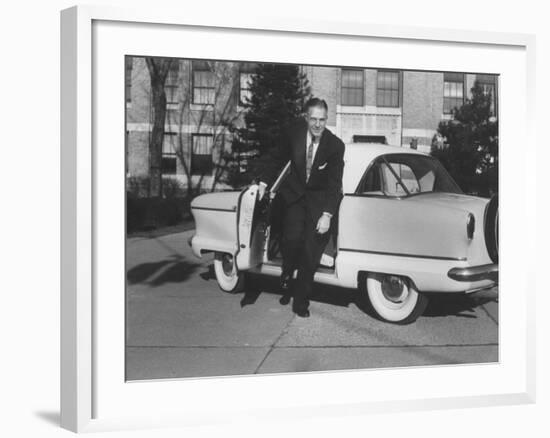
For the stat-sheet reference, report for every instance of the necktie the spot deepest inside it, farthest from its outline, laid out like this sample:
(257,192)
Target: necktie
(309,160)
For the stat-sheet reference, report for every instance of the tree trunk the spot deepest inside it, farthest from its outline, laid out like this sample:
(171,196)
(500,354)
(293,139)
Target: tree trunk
(158,70)
(157,138)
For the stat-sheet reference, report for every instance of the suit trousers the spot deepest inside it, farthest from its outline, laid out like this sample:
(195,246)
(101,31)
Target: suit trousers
(302,248)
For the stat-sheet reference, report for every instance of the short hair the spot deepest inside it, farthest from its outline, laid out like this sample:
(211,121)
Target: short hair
(316,102)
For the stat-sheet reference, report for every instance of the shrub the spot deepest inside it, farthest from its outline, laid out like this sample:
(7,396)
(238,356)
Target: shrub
(137,186)
(467,145)
(151,213)
(172,188)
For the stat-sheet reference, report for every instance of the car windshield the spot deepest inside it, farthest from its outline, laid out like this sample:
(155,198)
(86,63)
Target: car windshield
(398,175)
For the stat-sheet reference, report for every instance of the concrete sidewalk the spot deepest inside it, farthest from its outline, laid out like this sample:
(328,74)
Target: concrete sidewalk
(180,324)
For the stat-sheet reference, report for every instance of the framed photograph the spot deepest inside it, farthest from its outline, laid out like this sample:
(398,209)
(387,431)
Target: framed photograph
(174,310)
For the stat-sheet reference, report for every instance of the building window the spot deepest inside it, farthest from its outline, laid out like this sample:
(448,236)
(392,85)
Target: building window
(171,83)
(201,159)
(488,84)
(128,60)
(203,83)
(246,72)
(169,157)
(353,87)
(387,89)
(453,91)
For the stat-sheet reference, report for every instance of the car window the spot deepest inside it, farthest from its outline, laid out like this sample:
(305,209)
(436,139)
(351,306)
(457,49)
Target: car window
(372,183)
(393,187)
(397,175)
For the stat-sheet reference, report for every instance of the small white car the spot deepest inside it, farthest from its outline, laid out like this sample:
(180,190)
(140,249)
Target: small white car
(404,229)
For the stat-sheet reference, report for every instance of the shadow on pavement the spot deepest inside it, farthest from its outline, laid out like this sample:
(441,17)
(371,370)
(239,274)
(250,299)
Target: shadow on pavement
(321,293)
(443,304)
(173,270)
(209,273)
(251,294)
(460,305)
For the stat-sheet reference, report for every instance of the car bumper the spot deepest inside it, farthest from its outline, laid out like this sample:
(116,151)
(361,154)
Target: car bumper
(475,273)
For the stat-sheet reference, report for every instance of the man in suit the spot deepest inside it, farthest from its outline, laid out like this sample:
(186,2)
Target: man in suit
(311,193)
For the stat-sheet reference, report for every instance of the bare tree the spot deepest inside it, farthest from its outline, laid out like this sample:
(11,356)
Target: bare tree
(158,71)
(215,118)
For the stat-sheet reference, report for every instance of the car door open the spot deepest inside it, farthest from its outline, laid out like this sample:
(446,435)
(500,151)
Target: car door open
(253,223)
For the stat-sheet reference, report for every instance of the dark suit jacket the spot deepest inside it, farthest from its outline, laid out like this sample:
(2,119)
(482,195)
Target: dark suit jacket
(323,189)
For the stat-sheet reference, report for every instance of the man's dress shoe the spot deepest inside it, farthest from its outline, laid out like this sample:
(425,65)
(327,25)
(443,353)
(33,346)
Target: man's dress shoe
(302,313)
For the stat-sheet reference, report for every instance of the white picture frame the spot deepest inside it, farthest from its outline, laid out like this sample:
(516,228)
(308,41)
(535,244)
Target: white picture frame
(87,372)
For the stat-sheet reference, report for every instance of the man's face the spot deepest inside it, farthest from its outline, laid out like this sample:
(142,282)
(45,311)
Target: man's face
(316,121)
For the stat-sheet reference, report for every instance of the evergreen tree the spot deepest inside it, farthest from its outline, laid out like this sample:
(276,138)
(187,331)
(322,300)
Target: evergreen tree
(469,150)
(278,93)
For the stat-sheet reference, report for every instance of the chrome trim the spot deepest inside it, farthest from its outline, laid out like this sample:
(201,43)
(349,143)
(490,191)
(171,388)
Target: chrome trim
(238,211)
(398,254)
(475,273)
(232,210)
(479,289)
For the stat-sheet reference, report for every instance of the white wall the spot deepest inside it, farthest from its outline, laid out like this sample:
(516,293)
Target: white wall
(29,218)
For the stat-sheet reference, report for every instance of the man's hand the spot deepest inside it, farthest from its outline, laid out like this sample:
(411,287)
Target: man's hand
(324,223)
(261,190)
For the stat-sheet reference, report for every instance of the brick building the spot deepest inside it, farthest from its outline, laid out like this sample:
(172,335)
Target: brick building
(397,107)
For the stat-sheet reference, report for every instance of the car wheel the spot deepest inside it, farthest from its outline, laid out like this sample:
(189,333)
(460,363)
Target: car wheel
(228,277)
(394,298)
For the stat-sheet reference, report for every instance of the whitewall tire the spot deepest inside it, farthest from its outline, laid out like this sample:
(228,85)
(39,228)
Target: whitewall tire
(394,298)
(229,278)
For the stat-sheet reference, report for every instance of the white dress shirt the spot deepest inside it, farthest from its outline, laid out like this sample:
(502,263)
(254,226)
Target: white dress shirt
(315,146)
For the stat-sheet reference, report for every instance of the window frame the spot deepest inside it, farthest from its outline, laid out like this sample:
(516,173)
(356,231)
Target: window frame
(384,159)
(191,167)
(450,80)
(171,83)
(168,155)
(342,87)
(202,68)
(397,90)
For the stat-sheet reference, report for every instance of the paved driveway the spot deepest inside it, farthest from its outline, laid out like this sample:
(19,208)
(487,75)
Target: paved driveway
(180,324)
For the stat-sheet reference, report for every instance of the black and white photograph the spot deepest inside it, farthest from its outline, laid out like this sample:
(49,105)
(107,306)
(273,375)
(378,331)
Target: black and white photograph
(285,218)
(281,219)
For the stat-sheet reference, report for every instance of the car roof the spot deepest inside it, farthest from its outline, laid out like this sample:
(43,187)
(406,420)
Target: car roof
(359,155)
